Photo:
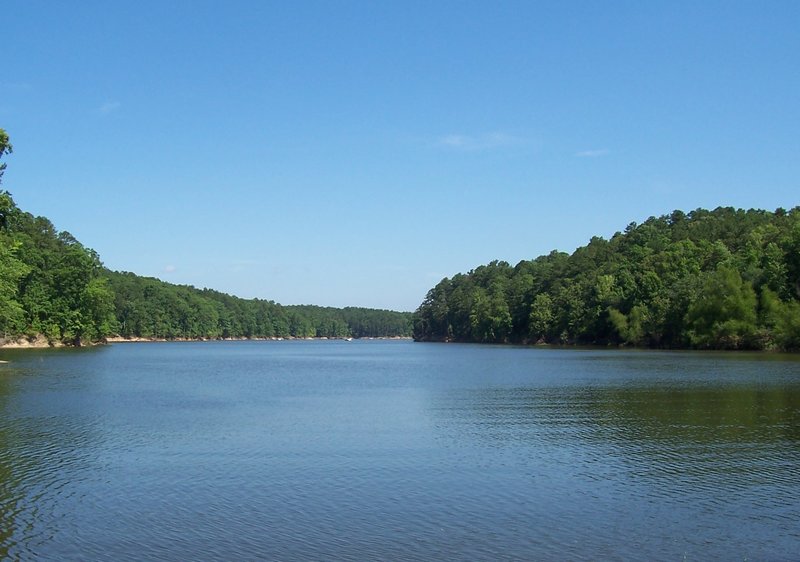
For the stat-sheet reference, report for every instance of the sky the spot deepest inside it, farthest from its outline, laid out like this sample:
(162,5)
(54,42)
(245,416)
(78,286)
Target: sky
(355,153)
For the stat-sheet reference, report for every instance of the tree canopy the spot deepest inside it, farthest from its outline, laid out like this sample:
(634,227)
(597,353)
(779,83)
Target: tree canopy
(721,279)
(147,307)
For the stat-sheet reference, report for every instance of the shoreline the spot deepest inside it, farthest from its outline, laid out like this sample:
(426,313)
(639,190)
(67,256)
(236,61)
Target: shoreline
(136,339)
(37,342)
(41,342)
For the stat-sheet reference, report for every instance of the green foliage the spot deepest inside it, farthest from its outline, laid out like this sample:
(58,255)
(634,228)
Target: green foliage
(787,329)
(723,279)
(724,313)
(6,203)
(781,321)
(61,294)
(150,308)
(97,302)
(5,148)
(542,317)
(11,271)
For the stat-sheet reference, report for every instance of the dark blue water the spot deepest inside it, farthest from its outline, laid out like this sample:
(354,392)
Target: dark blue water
(395,450)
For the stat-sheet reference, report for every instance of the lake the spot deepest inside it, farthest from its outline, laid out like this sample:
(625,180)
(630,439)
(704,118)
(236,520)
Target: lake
(392,450)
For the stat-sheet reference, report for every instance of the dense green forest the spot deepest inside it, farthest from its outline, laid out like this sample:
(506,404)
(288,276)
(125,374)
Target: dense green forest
(147,307)
(51,285)
(721,279)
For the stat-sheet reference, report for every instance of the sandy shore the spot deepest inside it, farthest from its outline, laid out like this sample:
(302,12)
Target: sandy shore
(28,343)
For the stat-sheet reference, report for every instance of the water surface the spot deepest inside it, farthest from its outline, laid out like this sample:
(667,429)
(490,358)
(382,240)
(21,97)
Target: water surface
(395,450)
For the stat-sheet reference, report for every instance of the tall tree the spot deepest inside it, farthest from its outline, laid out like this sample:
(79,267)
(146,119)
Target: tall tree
(6,202)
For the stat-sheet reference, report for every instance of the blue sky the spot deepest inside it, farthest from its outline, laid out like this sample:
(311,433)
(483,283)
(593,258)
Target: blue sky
(354,153)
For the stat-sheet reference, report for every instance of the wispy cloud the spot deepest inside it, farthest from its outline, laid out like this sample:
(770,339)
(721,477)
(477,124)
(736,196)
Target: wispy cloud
(108,107)
(485,141)
(595,153)
(243,265)
(170,269)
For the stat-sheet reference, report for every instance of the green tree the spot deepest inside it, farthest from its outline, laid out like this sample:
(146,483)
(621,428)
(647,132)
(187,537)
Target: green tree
(724,314)
(11,271)
(11,268)
(6,203)
(541,318)
(5,148)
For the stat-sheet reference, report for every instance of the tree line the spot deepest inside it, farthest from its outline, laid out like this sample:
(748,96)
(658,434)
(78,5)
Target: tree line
(52,285)
(711,279)
(151,308)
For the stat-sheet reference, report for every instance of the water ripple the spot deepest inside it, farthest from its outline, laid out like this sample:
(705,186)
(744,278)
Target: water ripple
(398,452)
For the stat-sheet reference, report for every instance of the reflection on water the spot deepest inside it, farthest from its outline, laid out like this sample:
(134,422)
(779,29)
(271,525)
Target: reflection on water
(393,450)
(44,455)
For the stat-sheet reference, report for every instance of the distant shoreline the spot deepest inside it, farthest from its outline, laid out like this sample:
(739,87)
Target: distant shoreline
(41,342)
(120,339)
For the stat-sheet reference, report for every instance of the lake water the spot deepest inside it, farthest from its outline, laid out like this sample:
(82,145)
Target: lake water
(391,450)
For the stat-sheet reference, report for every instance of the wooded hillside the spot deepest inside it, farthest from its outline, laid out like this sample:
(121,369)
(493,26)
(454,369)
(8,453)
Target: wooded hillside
(722,279)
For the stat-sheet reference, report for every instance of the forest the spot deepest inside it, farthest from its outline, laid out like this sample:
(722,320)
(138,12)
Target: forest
(150,308)
(708,279)
(53,286)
